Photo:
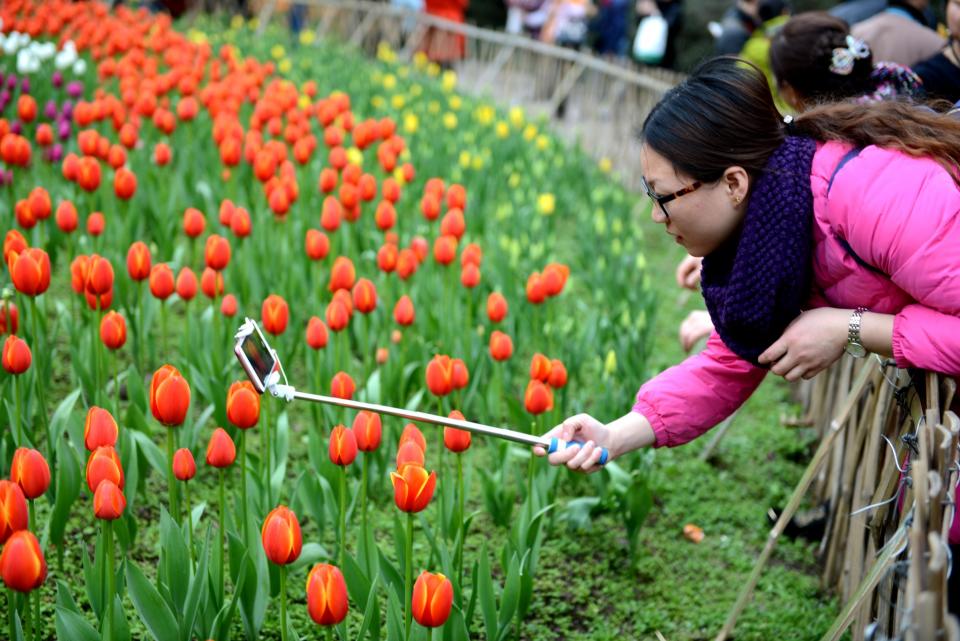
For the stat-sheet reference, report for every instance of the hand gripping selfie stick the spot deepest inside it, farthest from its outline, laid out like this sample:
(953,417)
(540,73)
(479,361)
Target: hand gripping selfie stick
(262,365)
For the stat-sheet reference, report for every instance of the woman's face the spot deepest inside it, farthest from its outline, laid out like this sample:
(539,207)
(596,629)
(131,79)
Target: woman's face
(953,18)
(703,219)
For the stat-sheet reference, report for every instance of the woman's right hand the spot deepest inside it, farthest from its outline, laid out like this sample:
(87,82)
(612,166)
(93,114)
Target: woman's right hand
(592,433)
(688,272)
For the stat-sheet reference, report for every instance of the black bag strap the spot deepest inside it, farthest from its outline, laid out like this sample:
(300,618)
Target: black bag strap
(847,157)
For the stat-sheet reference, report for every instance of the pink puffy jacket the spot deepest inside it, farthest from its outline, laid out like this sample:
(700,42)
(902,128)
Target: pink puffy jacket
(901,216)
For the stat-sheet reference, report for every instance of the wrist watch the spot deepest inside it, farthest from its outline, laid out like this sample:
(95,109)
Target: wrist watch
(854,347)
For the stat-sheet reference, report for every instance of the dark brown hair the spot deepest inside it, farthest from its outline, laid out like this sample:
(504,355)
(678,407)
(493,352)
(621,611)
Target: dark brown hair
(723,115)
(801,53)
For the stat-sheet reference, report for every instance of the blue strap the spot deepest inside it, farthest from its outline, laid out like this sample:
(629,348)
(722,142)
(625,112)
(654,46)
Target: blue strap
(847,157)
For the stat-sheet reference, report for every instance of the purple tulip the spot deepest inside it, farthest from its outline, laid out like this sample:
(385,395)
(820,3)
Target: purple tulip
(57,79)
(50,110)
(54,153)
(67,109)
(75,89)
(6,178)
(2,78)
(63,130)
(11,82)
(25,85)
(16,127)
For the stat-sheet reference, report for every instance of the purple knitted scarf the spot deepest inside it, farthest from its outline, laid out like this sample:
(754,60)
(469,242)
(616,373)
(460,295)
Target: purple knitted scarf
(755,284)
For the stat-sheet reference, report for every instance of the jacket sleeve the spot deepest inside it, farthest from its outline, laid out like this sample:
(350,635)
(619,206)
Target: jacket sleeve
(907,224)
(688,399)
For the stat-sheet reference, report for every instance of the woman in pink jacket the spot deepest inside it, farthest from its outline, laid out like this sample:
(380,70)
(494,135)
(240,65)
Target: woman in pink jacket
(838,231)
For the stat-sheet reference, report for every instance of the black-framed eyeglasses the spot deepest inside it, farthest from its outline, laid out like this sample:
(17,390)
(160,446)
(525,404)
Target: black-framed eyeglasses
(663,200)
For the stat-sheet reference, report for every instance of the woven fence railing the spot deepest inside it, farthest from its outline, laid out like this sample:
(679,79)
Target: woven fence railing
(591,101)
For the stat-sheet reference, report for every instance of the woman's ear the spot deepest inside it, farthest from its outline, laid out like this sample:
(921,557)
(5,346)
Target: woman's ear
(736,182)
(790,96)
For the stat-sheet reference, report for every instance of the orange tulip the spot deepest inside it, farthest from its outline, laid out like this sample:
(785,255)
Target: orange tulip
(439,375)
(240,223)
(138,261)
(124,184)
(13,244)
(221,452)
(368,429)
(16,355)
(413,487)
(554,278)
(420,248)
(501,346)
(469,276)
(496,307)
(558,374)
(104,465)
(342,386)
(338,317)
(108,501)
(317,244)
(26,107)
(316,333)
(13,509)
(95,223)
(169,396)
(99,429)
(342,274)
(343,446)
(326,594)
(282,541)
(538,398)
(391,190)
(194,222)
(67,218)
(536,292)
(184,465)
(330,214)
(364,296)
(540,368)
(328,180)
(412,433)
(461,376)
(385,216)
(410,452)
(430,207)
(162,154)
(403,311)
(161,281)
(275,314)
(22,565)
(186,284)
(457,196)
(456,440)
(471,254)
(88,174)
(432,599)
(228,307)
(30,271)
(243,405)
(113,330)
(387,257)
(99,276)
(211,283)
(445,249)
(407,263)
(217,252)
(453,224)
(30,471)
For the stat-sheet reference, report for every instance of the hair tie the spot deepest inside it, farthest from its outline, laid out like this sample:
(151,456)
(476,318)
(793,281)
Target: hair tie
(844,57)
(789,125)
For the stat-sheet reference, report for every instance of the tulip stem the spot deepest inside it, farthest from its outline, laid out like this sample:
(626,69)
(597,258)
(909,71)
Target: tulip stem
(40,385)
(16,415)
(108,617)
(243,484)
(11,608)
(265,412)
(363,495)
(463,529)
(343,513)
(283,603)
(329,630)
(408,573)
(116,382)
(186,498)
(171,480)
(221,529)
(441,507)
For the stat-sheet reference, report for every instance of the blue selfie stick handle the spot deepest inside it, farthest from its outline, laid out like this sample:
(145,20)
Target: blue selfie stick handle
(557,444)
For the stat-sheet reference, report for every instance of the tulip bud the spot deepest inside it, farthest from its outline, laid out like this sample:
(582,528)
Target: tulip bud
(343,446)
(364,296)
(221,452)
(113,330)
(243,405)
(211,283)
(282,541)
(439,375)
(316,333)
(16,355)
(30,471)
(193,222)
(413,487)
(410,452)
(403,312)
(13,509)
(138,261)
(342,274)
(169,396)
(22,565)
(184,465)
(228,306)
(368,429)
(99,429)
(338,317)
(99,276)
(275,314)
(412,433)
(445,249)
(558,374)
(186,284)
(161,281)
(540,368)
(342,386)
(96,223)
(104,465)
(538,398)
(456,440)
(30,271)
(217,252)
(108,501)
(432,599)
(317,244)
(461,375)
(326,595)
(501,346)
(536,293)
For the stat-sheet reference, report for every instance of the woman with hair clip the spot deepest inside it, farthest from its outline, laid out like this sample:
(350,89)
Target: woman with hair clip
(941,73)
(838,231)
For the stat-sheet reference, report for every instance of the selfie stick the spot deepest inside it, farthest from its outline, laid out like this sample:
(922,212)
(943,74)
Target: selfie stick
(288,393)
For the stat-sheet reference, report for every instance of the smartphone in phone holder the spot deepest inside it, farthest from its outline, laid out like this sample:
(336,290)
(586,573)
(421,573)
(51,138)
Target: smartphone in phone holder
(263,367)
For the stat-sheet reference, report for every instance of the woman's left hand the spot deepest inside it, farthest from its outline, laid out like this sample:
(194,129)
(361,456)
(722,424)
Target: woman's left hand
(810,344)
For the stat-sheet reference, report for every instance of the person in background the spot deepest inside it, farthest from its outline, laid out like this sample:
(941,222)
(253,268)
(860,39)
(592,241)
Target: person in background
(740,20)
(941,73)
(609,28)
(774,14)
(901,33)
(854,11)
(672,13)
(566,23)
(441,46)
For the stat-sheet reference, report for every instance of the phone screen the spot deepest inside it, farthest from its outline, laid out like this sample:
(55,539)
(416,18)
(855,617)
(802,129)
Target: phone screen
(259,355)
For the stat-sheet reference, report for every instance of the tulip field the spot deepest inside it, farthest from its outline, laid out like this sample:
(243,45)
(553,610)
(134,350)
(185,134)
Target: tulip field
(400,243)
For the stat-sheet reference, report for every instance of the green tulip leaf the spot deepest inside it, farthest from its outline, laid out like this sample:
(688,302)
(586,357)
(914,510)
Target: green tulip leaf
(153,610)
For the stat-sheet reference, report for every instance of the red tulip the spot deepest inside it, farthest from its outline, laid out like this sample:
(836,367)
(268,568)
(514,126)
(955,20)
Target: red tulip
(13,243)
(368,429)
(108,501)
(194,222)
(387,257)
(501,346)
(328,180)
(536,293)
(471,254)
(211,283)
(228,306)
(364,296)
(100,302)
(22,565)
(439,375)
(161,281)
(169,396)
(407,263)
(113,330)
(432,599)
(343,446)
(99,429)
(470,276)
(317,333)
(124,184)
(538,398)
(243,405)
(331,214)
(30,471)
(342,274)
(326,595)
(403,311)
(99,276)
(186,284)
(342,386)
(30,271)
(540,368)
(496,307)
(461,376)
(240,223)
(445,249)
(217,252)
(184,465)
(412,433)
(457,196)
(16,355)
(430,207)
(88,174)
(410,452)
(317,244)
(456,440)
(413,487)
(221,452)
(282,541)
(275,314)
(67,218)
(554,277)
(13,509)
(104,465)
(558,374)
(453,224)
(138,261)
(9,318)
(96,223)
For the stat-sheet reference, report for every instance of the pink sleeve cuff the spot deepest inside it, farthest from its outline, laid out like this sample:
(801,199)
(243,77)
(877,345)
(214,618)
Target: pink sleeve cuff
(656,421)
